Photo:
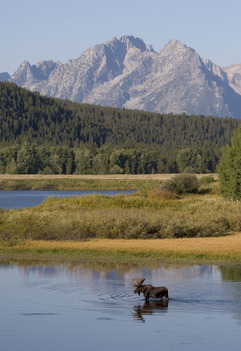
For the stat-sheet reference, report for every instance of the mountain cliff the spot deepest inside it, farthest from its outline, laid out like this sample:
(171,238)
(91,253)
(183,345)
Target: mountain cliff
(234,76)
(126,72)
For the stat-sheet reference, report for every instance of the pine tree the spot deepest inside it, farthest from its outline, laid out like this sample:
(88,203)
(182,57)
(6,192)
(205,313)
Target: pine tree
(230,168)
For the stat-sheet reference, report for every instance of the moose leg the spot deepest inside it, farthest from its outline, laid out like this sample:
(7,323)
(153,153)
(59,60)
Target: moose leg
(166,295)
(147,295)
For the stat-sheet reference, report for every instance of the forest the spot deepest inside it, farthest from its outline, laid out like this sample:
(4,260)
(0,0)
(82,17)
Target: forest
(44,135)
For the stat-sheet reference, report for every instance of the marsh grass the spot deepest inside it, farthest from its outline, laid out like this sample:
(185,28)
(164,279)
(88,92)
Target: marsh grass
(84,182)
(83,227)
(215,250)
(151,215)
(141,182)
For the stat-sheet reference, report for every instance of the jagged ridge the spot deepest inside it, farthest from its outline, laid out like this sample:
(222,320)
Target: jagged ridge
(125,72)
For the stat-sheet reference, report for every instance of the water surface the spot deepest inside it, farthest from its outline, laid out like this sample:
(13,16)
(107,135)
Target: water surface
(88,306)
(11,199)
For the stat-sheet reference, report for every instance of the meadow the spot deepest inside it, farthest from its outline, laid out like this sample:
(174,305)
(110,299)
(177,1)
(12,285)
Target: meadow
(218,250)
(79,182)
(167,225)
(83,182)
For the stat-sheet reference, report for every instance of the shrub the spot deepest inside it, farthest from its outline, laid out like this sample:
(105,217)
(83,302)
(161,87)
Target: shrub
(116,170)
(207,185)
(182,184)
(157,194)
(206,180)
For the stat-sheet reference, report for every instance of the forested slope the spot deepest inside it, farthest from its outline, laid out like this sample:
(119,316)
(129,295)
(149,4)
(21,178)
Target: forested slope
(58,136)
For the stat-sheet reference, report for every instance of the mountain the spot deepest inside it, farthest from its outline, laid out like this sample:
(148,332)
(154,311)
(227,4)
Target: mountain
(234,76)
(126,72)
(4,77)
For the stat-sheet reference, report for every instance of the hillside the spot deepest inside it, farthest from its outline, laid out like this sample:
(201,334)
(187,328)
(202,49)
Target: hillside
(98,132)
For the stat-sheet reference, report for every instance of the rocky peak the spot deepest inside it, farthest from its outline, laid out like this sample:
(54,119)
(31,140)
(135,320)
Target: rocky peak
(125,72)
(176,52)
(174,47)
(23,74)
(132,42)
(177,57)
(39,71)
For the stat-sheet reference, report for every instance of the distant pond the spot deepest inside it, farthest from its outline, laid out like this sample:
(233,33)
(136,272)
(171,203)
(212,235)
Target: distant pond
(91,306)
(28,198)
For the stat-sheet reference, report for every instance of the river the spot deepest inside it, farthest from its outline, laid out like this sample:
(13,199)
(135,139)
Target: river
(11,199)
(91,306)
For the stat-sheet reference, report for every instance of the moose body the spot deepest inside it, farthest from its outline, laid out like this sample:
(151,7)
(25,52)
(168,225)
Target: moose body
(150,291)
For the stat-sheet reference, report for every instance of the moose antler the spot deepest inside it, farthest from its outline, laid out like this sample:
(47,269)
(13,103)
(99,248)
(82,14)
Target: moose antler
(138,282)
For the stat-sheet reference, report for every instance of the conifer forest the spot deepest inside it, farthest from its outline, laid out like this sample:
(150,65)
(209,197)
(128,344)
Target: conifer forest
(44,135)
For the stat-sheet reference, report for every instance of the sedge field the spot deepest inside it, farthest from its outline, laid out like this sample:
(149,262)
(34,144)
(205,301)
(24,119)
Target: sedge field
(151,224)
(198,250)
(83,182)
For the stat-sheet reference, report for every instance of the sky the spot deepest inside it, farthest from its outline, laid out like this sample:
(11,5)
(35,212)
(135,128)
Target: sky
(63,29)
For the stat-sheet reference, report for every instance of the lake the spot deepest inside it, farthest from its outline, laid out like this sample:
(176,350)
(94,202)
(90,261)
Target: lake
(91,306)
(11,199)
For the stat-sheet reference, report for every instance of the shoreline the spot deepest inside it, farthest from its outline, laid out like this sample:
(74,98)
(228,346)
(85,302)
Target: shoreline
(219,250)
(85,182)
(84,176)
(161,176)
(79,182)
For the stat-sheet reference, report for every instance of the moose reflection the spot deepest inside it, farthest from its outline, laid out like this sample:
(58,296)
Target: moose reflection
(149,290)
(148,308)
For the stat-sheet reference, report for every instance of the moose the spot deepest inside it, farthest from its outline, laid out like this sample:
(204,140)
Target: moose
(150,291)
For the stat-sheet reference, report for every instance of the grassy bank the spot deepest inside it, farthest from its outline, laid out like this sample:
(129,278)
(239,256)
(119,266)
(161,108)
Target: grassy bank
(81,182)
(152,214)
(199,250)
(196,227)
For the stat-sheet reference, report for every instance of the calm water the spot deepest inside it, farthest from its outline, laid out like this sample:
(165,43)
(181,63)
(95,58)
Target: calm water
(88,307)
(29,198)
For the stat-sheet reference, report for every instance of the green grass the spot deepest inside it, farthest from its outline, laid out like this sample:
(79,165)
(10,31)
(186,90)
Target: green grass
(143,215)
(58,183)
(88,182)
(151,213)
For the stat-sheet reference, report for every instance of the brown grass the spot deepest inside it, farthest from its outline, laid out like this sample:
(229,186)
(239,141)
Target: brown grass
(97,177)
(218,246)
(221,249)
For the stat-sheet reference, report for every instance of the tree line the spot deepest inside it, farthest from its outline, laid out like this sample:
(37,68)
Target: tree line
(88,159)
(230,168)
(39,134)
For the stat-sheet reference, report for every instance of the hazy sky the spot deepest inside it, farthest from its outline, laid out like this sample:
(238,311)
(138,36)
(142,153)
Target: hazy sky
(63,29)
